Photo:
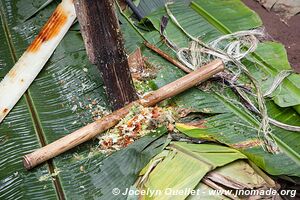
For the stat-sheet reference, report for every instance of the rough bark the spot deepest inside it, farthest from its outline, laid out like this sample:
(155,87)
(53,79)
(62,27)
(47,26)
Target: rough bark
(105,47)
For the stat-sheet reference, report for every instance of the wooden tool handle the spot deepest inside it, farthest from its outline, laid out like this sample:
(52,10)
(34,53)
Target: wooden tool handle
(90,131)
(184,83)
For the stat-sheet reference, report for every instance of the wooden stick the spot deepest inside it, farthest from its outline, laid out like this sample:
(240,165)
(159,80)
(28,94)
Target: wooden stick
(90,131)
(168,57)
(104,44)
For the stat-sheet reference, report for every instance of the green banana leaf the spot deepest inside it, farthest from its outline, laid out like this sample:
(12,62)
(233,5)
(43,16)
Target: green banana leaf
(182,166)
(271,59)
(95,176)
(238,129)
(57,103)
(147,7)
(234,124)
(17,137)
(209,19)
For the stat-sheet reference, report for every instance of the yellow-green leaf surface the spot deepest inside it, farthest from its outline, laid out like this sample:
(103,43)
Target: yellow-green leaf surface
(182,167)
(185,165)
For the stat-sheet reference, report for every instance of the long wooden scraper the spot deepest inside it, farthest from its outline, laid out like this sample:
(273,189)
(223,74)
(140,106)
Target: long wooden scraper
(19,78)
(93,129)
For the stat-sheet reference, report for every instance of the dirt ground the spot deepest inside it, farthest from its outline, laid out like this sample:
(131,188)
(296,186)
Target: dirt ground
(287,33)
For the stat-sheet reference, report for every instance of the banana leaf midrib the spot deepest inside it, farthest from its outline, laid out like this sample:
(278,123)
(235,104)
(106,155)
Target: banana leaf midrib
(251,120)
(243,114)
(68,82)
(73,190)
(225,30)
(188,153)
(254,122)
(7,34)
(267,68)
(213,21)
(119,10)
(221,28)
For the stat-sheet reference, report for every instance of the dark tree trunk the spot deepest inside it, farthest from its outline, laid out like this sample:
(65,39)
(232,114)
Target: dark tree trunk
(105,47)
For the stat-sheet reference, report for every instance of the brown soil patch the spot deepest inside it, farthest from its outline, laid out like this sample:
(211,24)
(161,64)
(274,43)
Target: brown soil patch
(286,33)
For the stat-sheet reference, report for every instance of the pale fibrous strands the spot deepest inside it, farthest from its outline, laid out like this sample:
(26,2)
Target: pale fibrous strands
(232,48)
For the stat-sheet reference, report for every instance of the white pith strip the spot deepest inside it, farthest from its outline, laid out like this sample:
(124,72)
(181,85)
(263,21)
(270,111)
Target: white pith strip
(20,77)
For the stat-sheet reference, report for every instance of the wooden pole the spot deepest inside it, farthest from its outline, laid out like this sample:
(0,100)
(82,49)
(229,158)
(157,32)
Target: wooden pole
(168,57)
(90,131)
(105,47)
